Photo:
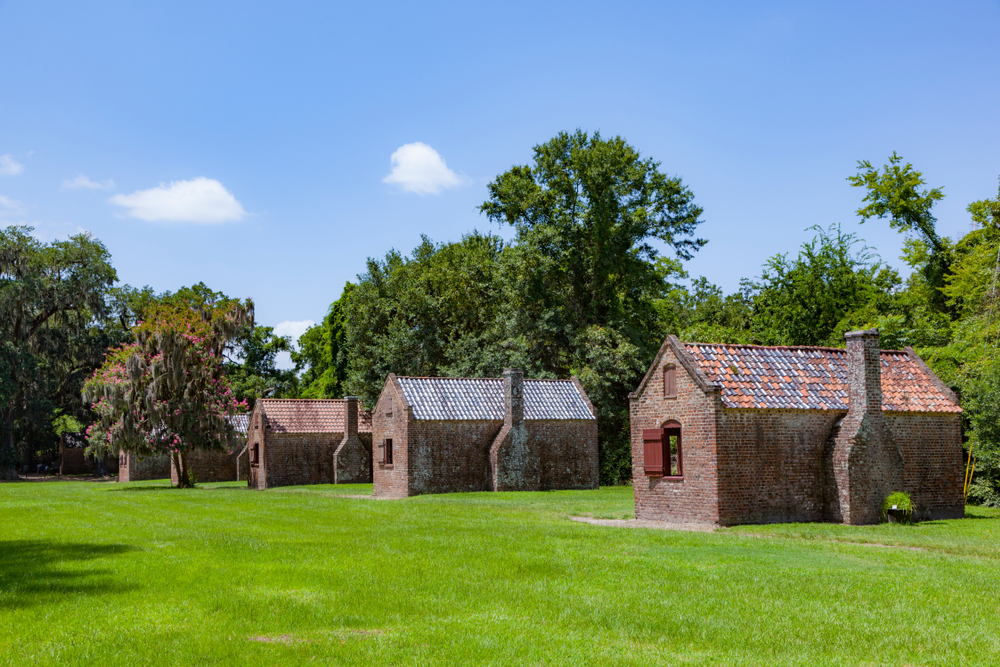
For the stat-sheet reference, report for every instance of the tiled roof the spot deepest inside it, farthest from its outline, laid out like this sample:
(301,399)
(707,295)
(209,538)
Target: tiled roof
(241,423)
(811,378)
(482,398)
(308,415)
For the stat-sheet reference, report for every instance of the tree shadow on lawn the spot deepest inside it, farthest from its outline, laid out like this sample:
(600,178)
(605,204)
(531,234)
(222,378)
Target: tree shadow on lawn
(34,572)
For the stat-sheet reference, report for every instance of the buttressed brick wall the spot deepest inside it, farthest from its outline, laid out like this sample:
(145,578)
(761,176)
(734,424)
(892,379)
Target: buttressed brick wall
(353,456)
(796,434)
(462,434)
(306,441)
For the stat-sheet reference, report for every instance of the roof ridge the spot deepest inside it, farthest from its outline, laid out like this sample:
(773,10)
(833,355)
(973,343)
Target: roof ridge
(427,377)
(770,347)
(302,400)
(439,377)
(821,348)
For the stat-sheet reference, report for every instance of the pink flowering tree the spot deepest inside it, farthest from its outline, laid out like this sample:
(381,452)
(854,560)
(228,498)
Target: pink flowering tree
(167,393)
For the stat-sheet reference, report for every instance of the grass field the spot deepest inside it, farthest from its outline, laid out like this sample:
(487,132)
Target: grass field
(141,574)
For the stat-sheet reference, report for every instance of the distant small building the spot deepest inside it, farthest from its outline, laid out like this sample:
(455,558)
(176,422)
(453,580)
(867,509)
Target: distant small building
(132,468)
(439,435)
(732,434)
(74,461)
(217,465)
(308,441)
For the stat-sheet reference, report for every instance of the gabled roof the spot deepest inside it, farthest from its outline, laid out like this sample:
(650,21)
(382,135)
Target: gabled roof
(814,378)
(241,423)
(308,415)
(462,399)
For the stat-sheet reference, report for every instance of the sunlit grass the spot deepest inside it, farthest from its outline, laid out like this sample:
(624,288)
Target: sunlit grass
(141,574)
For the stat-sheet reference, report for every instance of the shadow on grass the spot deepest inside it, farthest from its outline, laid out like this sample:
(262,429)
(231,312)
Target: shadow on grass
(34,572)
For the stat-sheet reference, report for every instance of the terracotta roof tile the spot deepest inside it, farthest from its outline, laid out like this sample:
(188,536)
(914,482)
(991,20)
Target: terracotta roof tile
(308,415)
(811,378)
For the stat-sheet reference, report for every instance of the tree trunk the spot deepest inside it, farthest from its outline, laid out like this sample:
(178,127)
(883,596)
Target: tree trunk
(8,455)
(184,480)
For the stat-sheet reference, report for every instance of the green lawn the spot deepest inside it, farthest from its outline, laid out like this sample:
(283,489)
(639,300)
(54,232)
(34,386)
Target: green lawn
(141,574)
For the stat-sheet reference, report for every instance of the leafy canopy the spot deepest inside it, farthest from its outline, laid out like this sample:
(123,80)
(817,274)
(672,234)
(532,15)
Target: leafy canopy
(167,393)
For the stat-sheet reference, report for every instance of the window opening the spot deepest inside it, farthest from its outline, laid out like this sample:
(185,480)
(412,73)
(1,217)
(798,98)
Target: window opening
(386,453)
(670,381)
(255,453)
(662,451)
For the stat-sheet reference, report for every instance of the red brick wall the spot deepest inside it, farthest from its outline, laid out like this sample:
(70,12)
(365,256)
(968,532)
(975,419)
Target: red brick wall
(567,453)
(447,456)
(73,461)
(132,469)
(693,497)
(771,465)
(255,436)
(931,445)
(431,456)
(759,466)
(390,420)
(354,459)
(291,459)
(208,466)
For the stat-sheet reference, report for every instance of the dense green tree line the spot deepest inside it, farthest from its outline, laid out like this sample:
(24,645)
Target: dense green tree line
(582,290)
(60,313)
(590,284)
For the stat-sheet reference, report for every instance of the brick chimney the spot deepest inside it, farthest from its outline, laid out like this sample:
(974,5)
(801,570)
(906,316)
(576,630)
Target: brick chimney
(865,464)
(351,416)
(352,457)
(864,371)
(513,464)
(513,396)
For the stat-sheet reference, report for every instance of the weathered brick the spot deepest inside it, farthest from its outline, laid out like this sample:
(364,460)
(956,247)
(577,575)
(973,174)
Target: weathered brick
(764,465)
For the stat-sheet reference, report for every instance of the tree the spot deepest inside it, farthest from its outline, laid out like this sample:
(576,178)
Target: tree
(437,312)
(250,365)
(588,212)
(322,352)
(52,297)
(167,393)
(895,192)
(826,290)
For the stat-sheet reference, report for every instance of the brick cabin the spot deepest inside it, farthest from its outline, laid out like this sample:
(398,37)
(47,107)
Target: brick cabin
(440,435)
(308,441)
(132,468)
(73,459)
(218,465)
(732,434)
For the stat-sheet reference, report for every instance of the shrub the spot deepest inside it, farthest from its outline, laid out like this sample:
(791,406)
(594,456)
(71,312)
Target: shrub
(902,501)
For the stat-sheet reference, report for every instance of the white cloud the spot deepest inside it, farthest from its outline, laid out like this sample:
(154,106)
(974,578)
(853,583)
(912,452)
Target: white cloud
(419,168)
(203,200)
(283,360)
(9,166)
(82,181)
(8,205)
(293,329)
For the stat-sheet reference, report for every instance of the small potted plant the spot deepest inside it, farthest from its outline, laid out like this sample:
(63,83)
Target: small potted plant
(898,508)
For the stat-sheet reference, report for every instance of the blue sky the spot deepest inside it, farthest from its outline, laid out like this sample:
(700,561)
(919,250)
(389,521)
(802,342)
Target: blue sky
(248,145)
